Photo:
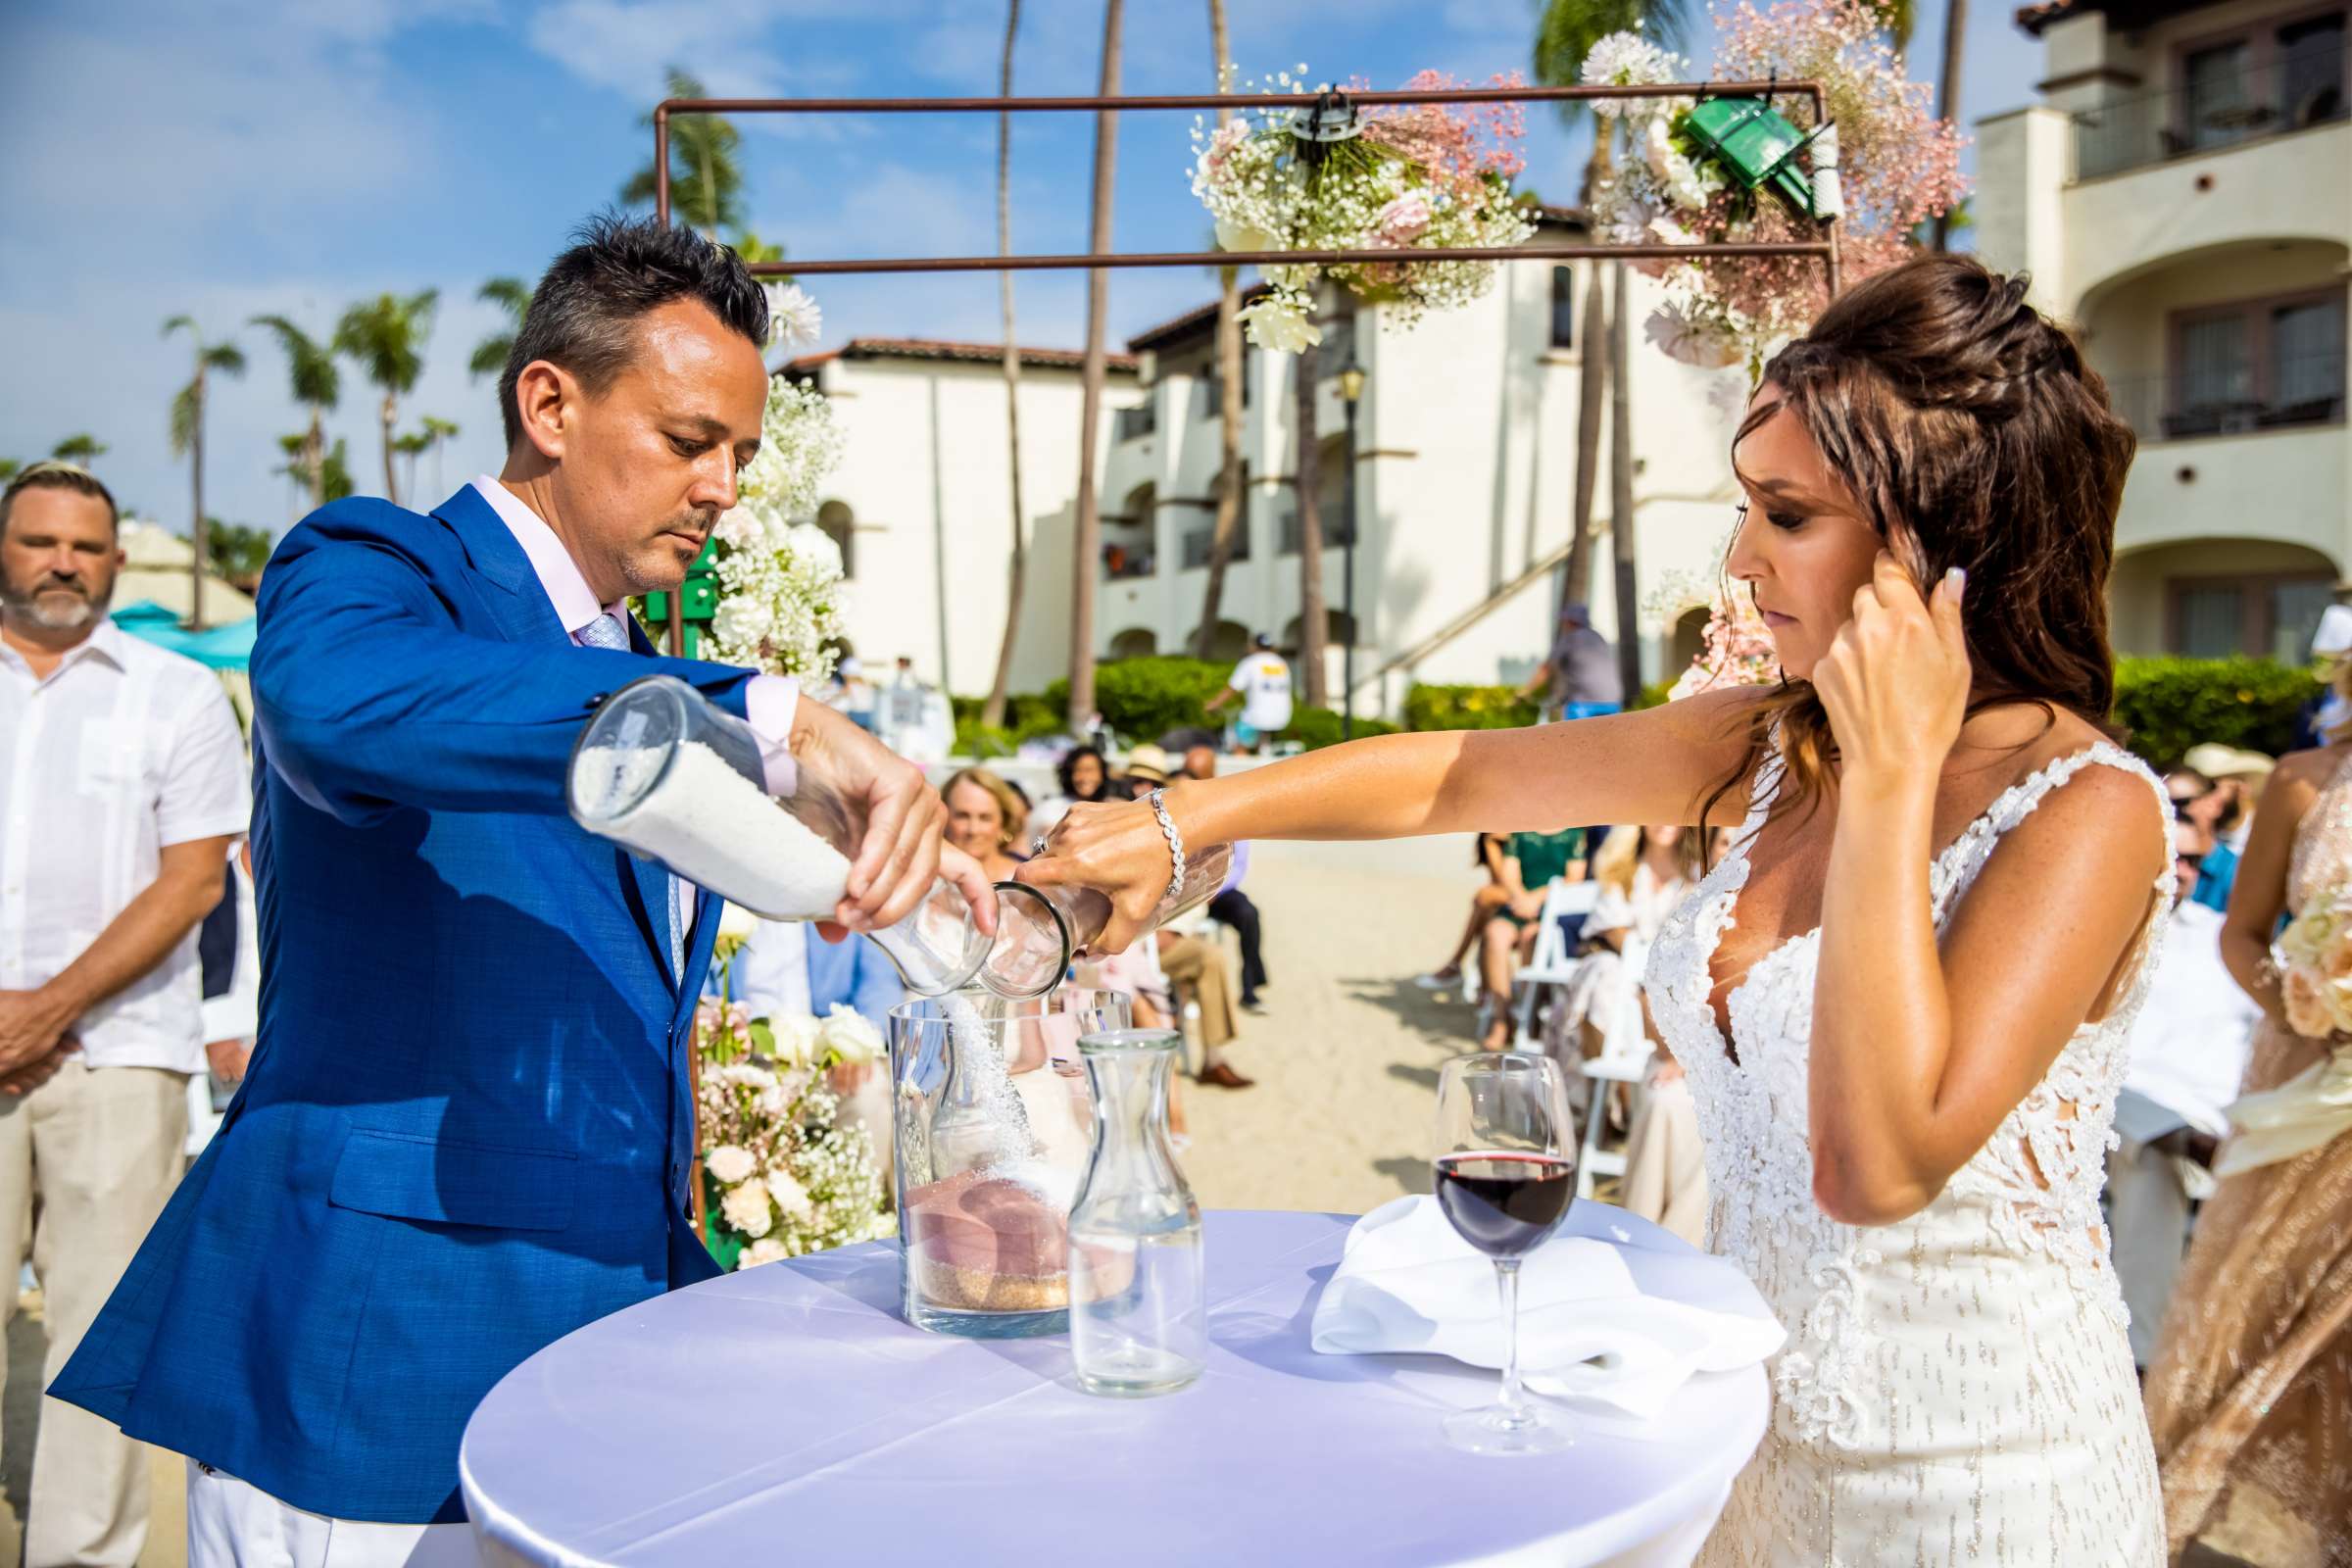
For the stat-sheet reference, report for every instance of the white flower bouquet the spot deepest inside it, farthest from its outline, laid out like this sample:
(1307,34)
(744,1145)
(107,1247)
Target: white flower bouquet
(783,1175)
(2313,1108)
(1404,177)
(779,576)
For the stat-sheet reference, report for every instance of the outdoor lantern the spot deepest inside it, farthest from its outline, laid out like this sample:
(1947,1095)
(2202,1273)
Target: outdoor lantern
(1757,147)
(1350,378)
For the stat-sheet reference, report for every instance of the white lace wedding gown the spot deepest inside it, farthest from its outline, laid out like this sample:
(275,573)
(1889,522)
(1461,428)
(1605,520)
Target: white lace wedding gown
(1956,1387)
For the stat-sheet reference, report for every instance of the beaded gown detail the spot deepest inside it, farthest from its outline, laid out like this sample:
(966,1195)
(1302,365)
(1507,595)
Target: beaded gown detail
(1956,1387)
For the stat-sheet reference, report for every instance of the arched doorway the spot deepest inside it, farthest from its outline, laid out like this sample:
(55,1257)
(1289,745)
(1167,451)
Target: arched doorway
(1136,642)
(1338,630)
(840,527)
(1688,640)
(1228,640)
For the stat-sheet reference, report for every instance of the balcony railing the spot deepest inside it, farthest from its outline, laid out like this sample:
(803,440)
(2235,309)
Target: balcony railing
(1123,560)
(2165,408)
(1131,425)
(2291,94)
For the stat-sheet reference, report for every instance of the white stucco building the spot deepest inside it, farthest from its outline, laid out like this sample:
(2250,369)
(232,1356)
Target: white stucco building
(1465,467)
(2184,195)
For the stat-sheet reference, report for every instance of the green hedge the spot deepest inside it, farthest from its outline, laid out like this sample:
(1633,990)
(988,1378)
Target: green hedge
(1467,708)
(2170,704)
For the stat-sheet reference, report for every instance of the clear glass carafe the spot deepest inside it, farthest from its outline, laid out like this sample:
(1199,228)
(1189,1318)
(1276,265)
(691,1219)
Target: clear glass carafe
(1040,930)
(661,770)
(1139,1307)
(993,1126)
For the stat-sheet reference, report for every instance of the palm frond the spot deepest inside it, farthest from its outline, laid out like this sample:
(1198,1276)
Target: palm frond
(1567,29)
(512,292)
(177,322)
(490,356)
(226,358)
(186,406)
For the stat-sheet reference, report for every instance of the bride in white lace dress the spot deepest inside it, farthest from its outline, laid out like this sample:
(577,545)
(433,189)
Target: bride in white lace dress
(1901,997)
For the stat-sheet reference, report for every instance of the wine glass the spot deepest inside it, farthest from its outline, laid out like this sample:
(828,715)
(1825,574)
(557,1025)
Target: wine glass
(1505,1176)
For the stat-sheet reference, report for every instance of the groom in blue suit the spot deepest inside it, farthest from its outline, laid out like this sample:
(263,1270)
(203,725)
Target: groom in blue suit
(466,1130)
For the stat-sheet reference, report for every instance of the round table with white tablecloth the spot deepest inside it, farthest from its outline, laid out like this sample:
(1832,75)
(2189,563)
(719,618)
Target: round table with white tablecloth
(787,1413)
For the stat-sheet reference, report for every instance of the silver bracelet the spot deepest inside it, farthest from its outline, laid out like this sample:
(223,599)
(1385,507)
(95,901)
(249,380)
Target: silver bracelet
(1167,827)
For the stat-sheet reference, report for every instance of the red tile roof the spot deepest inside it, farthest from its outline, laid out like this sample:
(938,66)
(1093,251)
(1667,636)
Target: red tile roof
(926,347)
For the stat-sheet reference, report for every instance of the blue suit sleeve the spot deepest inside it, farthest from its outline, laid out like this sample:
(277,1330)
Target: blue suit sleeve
(878,987)
(367,696)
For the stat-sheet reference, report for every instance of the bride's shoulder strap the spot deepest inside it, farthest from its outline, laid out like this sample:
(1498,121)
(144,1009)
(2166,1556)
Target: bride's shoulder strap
(1959,865)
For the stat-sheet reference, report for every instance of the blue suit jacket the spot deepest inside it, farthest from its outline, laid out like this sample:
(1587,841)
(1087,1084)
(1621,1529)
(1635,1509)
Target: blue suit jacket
(466,1131)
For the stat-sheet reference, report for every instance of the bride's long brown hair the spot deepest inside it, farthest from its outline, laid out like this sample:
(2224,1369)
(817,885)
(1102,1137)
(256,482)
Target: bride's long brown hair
(1971,434)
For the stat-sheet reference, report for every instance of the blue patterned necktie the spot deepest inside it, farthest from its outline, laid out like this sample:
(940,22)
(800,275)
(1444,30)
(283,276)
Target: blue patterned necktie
(607,631)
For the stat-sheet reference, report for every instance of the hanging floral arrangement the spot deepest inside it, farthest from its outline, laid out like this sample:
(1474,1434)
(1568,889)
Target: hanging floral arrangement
(1898,164)
(1402,178)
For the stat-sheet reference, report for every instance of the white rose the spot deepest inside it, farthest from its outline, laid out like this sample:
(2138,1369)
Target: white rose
(734,920)
(741,620)
(767,1250)
(746,1209)
(739,528)
(790,1196)
(850,1037)
(796,1039)
(728,1165)
(1279,322)
(1233,237)
(811,546)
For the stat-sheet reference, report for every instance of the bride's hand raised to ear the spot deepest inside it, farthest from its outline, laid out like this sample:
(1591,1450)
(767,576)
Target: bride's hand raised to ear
(1118,848)
(1895,682)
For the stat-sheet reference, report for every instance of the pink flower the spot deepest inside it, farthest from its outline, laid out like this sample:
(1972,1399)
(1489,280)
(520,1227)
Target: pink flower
(1405,220)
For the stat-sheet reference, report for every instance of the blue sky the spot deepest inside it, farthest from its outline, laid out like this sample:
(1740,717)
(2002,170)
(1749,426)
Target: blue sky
(235,157)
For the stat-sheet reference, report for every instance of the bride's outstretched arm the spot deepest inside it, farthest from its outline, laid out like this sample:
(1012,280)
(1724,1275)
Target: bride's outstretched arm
(1658,765)
(1921,1051)
(2258,894)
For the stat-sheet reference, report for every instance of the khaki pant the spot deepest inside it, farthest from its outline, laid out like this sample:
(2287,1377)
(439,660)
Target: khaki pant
(1199,968)
(1665,1162)
(101,1149)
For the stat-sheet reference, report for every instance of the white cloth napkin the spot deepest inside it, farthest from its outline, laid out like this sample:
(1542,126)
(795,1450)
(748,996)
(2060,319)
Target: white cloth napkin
(1625,1325)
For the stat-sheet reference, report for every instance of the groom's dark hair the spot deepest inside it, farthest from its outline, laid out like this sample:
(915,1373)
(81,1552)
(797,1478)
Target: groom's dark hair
(583,316)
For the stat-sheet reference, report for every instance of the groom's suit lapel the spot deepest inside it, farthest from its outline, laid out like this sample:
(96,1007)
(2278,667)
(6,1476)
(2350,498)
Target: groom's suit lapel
(526,614)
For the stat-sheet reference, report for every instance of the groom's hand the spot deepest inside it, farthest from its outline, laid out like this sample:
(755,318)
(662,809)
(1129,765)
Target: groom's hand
(902,848)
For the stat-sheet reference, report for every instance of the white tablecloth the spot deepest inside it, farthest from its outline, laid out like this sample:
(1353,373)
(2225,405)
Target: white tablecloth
(786,1414)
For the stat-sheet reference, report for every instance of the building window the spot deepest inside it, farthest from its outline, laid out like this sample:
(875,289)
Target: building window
(2261,616)
(2311,70)
(2257,365)
(2280,78)
(1563,307)
(1130,425)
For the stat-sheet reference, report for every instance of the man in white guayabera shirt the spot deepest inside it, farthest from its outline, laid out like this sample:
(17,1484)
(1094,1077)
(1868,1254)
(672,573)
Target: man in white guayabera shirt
(1262,678)
(122,788)
(466,1128)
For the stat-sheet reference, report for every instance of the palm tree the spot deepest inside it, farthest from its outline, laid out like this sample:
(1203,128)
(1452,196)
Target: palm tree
(334,474)
(8,468)
(992,712)
(84,449)
(1232,506)
(438,433)
(490,354)
(1947,91)
(386,337)
(412,446)
(705,183)
(297,468)
(1087,547)
(1566,33)
(317,383)
(187,437)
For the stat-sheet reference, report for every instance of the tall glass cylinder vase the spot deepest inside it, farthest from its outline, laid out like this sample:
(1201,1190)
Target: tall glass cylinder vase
(1139,1308)
(993,1124)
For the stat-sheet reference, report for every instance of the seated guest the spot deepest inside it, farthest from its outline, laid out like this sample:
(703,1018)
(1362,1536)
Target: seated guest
(1232,907)
(1146,770)
(1085,778)
(2189,1052)
(1491,896)
(985,820)
(2223,811)
(1531,863)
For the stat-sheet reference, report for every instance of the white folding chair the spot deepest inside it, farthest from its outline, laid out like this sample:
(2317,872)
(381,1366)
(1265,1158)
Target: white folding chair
(1624,1058)
(1552,963)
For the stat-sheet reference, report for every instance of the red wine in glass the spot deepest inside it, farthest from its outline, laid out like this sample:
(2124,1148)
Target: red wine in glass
(1505,1203)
